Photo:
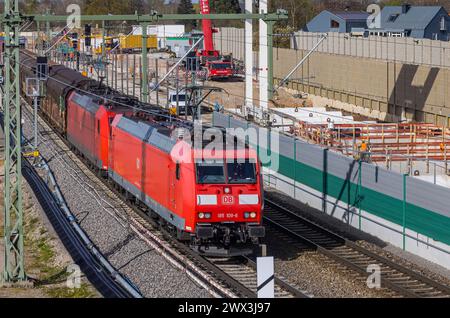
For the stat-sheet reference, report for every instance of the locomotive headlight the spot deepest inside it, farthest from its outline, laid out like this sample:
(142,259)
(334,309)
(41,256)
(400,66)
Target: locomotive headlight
(246,215)
(207,215)
(253,215)
(227,190)
(201,215)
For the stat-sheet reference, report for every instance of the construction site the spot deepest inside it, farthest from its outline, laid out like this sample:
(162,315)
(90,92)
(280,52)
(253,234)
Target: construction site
(355,128)
(212,79)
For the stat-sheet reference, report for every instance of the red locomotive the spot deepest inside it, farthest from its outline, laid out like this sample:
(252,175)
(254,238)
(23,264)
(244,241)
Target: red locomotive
(212,199)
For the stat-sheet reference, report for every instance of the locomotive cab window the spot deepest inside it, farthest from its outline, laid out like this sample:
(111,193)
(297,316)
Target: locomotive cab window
(241,172)
(177,171)
(210,171)
(110,121)
(181,98)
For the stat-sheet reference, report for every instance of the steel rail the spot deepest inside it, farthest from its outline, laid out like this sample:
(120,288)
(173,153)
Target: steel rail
(280,282)
(100,273)
(325,241)
(96,268)
(176,253)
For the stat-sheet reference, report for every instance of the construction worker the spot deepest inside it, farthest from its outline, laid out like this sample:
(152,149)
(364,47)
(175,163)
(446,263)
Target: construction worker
(173,111)
(364,151)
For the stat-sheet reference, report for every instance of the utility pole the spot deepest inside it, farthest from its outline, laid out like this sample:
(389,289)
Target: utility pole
(263,60)
(13,270)
(104,64)
(157,80)
(248,103)
(49,35)
(144,81)
(270,26)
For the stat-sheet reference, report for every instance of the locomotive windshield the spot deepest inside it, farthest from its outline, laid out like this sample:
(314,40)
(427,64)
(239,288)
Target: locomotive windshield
(210,172)
(181,98)
(233,172)
(241,172)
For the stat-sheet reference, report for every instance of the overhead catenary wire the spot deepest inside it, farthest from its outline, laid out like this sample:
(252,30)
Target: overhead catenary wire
(139,109)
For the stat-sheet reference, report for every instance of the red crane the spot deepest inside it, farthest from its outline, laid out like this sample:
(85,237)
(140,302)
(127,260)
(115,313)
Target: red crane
(216,65)
(207,32)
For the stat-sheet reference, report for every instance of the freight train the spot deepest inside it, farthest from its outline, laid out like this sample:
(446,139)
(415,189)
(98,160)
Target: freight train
(212,200)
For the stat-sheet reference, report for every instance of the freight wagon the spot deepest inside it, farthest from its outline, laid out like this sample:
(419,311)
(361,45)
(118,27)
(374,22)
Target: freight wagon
(133,43)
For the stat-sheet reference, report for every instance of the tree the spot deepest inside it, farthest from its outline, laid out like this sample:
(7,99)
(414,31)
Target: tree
(29,6)
(300,12)
(157,5)
(186,7)
(225,6)
(108,7)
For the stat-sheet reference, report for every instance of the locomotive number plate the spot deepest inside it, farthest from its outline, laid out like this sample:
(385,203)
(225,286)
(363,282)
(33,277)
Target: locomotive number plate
(228,199)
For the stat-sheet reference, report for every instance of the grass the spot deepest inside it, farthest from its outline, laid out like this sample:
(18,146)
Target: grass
(45,255)
(41,263)
(50,276)
(64,292)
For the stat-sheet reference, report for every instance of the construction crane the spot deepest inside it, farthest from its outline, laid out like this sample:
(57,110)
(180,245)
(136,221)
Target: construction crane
(217,66)
(208,31)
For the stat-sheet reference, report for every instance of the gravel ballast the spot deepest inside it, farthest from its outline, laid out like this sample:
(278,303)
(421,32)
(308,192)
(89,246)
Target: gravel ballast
(368,241)
(148,270)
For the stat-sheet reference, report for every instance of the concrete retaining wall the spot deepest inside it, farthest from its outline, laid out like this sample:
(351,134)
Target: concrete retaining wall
(403,50)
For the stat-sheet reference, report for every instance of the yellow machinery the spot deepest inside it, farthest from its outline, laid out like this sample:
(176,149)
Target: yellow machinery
(134,43)
(129,43)
(109,44)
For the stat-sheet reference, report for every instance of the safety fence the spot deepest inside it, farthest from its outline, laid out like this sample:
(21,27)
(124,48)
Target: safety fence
(407,212)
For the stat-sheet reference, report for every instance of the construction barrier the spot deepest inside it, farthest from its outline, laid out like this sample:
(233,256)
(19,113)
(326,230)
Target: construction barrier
(409,213)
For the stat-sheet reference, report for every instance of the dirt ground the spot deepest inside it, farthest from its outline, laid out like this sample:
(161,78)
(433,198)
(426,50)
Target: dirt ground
(234,92)
(46,259)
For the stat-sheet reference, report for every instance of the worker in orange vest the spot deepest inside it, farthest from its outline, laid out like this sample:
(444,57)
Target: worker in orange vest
(363,147)
(364,151)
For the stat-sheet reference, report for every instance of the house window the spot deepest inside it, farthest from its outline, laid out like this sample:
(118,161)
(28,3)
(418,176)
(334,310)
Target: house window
(334,24)
(393,17)
(443,24)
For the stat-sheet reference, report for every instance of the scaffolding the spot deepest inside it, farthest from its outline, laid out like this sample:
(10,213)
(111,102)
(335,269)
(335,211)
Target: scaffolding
(386,142)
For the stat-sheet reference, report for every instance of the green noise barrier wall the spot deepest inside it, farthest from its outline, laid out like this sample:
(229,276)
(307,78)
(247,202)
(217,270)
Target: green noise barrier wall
(410,203)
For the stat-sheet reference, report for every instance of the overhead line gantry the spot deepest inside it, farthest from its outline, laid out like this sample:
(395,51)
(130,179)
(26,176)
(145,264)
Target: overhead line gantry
(11,21)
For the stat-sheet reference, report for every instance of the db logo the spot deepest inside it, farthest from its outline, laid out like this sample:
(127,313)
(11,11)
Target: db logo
(228,199)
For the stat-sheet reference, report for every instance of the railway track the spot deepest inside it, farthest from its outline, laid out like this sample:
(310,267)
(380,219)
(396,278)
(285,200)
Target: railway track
(100,277)
(244,270)
(204,271)
(395,277)
(100,273)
